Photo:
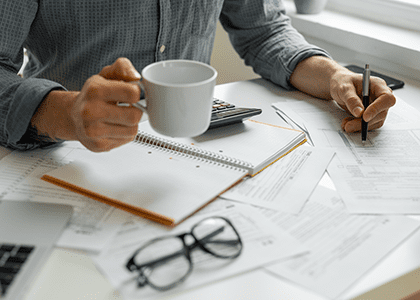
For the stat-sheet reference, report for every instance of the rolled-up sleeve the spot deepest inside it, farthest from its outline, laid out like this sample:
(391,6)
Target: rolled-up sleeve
(263,36)
(19,98)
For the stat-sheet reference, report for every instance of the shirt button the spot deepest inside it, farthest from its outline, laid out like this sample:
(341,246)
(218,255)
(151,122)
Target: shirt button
(162,48)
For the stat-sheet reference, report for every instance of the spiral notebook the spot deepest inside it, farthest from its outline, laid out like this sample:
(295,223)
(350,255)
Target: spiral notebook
(168,179)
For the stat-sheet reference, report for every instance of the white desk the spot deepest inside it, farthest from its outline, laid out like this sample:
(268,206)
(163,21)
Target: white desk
(72,275)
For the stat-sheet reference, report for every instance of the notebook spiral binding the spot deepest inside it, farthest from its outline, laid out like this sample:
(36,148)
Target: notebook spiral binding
(190,151)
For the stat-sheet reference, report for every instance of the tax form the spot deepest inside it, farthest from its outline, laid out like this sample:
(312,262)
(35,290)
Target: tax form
(92,224)
(287,184)
(262,243)
(343,246)
(383,175)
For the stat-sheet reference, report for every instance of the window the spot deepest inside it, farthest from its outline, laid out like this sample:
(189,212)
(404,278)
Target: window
(400,13)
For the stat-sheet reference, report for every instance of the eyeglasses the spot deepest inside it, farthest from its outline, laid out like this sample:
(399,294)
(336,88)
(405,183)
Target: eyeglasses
(165,262)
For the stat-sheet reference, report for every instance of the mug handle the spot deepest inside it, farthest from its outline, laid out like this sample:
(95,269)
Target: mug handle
(138,104)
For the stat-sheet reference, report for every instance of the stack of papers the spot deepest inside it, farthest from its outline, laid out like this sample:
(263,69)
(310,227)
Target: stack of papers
(379,177)
(291,226)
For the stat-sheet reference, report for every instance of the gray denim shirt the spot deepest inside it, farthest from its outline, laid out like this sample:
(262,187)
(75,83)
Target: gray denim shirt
(70,40)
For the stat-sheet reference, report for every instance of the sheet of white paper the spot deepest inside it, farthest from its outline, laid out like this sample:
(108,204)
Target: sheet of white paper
(287,184)
(92,223)
(343,246)
(381,176)
(262,243)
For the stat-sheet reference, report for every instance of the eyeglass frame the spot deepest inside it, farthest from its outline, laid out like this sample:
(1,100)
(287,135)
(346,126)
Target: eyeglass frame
(142,279)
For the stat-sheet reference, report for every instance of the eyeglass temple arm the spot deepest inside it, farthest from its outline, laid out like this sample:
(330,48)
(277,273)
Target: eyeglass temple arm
(174,255)
(161,260)
(212,234)
(206,239)
(181,252)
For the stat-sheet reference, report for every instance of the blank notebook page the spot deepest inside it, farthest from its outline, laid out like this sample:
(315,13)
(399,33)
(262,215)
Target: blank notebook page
(157,180)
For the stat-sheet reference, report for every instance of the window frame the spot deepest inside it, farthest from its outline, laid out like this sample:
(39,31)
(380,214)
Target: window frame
(398,13)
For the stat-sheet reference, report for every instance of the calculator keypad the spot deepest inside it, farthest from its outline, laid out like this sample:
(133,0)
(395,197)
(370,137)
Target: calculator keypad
(219,105)
(225,113)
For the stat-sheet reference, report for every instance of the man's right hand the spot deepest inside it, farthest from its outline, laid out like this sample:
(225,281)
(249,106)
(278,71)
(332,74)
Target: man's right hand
(92,116)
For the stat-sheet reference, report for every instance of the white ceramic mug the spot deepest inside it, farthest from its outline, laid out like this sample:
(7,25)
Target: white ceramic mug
(179,96)
(309,6)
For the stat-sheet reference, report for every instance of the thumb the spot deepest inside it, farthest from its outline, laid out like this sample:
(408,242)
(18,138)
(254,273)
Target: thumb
(121,69)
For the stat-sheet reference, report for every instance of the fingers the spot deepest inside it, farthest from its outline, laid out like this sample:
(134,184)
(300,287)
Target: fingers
(100,98)
(382,97)
(103,135)
(352,124)
(106,144)
(346,90)
(101,131)
(101,124)
(121,69)
(346,95)
(112,90)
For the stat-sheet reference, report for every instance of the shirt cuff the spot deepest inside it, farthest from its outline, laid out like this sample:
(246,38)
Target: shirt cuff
(282,72)
(28,97)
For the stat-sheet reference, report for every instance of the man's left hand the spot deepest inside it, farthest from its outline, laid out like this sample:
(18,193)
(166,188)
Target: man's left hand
(346,89)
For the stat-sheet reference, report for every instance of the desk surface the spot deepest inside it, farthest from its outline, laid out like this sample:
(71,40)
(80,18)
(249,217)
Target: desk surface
(72,275)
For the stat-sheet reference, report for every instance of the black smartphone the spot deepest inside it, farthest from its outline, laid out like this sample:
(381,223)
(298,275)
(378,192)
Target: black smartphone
(393,83)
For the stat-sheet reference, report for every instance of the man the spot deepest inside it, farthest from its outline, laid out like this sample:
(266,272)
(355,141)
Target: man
(83,53)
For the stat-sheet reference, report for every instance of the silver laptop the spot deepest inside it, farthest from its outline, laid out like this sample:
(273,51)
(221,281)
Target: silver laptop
(28,233)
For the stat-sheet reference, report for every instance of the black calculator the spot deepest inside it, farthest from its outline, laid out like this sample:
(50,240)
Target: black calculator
(225,113)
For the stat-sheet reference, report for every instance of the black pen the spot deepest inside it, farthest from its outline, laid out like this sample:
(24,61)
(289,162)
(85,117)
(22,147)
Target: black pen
(365,94)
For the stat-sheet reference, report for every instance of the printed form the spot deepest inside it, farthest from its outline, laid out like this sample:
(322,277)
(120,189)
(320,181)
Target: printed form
(343,246)
(287,184)
(379,177)
(262,243)
(92,224)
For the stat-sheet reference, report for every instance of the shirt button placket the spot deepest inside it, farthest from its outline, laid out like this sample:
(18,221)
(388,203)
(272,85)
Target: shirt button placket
(164,31)
(161,52)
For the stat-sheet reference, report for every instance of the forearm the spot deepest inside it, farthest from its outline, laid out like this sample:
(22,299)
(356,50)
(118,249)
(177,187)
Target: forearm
(264,37)
(313,76)
(53,119)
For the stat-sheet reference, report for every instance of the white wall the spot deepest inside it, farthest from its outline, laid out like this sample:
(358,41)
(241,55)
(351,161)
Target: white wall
(227,62)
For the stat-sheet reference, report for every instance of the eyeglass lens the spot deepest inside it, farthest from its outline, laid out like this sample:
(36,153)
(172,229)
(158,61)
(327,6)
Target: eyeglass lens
(165,261)
(218,237)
